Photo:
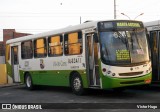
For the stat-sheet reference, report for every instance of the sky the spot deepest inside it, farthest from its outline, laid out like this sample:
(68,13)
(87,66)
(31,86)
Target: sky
(37,16)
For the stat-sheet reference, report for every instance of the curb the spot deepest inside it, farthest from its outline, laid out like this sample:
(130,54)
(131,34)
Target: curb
(9,85)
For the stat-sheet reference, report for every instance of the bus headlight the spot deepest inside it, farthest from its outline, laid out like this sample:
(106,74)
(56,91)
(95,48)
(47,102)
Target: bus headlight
(109,72)
(104,69)
(113,74)
(147,71)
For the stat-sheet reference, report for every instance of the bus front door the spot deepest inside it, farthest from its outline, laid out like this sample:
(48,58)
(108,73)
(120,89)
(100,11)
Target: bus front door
(15,64)
(92,60)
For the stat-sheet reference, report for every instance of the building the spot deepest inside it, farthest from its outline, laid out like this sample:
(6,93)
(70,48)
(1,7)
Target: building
(2,57)
(7,34)
(1,48)
(11,33)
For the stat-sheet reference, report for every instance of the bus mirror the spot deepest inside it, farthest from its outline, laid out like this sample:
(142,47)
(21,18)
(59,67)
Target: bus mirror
(95,37)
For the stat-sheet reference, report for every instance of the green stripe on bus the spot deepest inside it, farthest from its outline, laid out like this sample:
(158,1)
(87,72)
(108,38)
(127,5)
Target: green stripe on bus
(54,77)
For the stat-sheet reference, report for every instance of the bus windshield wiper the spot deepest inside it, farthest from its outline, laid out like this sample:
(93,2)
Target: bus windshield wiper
(135,33)
(121,38)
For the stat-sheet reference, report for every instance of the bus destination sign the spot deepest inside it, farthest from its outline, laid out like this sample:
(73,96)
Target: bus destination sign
(128,24)
(119,24)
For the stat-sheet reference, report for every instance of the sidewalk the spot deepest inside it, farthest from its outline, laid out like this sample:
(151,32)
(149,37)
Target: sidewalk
(9,85)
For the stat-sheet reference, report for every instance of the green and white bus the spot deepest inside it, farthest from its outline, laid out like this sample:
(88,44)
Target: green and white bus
(98,54)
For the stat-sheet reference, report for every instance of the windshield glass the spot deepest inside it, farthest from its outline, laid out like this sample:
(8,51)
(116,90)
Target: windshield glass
(124,46)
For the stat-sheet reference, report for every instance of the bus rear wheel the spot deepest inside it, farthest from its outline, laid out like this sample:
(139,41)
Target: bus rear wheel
(77,85)
(28,82)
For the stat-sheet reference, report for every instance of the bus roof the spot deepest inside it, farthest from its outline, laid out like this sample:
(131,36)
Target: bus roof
(59,31)
(152,23)
(54,32)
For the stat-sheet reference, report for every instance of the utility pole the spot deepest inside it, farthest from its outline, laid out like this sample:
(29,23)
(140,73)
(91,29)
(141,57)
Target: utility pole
(80,19)
(115,9)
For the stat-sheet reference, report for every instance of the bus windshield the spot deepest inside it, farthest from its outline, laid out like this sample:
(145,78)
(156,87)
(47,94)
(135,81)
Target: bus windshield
(124,46)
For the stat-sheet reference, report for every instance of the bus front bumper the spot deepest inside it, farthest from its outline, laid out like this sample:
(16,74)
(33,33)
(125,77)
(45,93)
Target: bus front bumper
(108,82)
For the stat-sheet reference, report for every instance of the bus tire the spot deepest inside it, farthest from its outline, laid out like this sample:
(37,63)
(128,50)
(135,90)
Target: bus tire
(77,85)
(28,82)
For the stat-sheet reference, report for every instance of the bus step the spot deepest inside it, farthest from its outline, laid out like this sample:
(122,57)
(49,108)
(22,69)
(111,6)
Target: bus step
(94,86)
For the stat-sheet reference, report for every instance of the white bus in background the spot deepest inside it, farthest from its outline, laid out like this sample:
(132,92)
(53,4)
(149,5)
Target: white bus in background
(153,28)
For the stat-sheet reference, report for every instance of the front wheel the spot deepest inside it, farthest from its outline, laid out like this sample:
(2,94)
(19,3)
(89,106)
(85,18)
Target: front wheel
(28,82)
(77,85)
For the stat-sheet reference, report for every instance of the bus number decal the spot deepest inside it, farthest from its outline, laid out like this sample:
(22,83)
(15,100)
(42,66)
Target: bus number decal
(74,60)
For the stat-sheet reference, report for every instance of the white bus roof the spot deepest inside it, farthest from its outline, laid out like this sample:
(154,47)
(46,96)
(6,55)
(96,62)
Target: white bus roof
(152,23)
(54,32)
(59,31)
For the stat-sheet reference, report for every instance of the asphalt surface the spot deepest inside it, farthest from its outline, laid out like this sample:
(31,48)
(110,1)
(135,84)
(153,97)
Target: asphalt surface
(95,98)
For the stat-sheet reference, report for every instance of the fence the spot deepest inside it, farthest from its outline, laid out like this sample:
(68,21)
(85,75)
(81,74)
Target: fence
(3,74)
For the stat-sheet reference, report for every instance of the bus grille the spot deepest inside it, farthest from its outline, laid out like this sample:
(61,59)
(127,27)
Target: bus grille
(132,82)
(130,74)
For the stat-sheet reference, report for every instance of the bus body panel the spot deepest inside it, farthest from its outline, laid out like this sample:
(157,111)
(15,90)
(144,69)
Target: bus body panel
(53,78)
(140,75)
(108,82)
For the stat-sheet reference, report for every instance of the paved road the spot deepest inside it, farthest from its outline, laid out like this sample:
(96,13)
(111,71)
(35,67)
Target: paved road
(18,94)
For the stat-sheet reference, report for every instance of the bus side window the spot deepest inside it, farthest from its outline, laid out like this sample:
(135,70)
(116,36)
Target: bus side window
(27,51)
(40,49)
(15,50)
(55,46)
(73,43)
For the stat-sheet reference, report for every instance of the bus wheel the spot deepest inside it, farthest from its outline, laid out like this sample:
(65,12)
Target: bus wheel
(28,82)
(77,85)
